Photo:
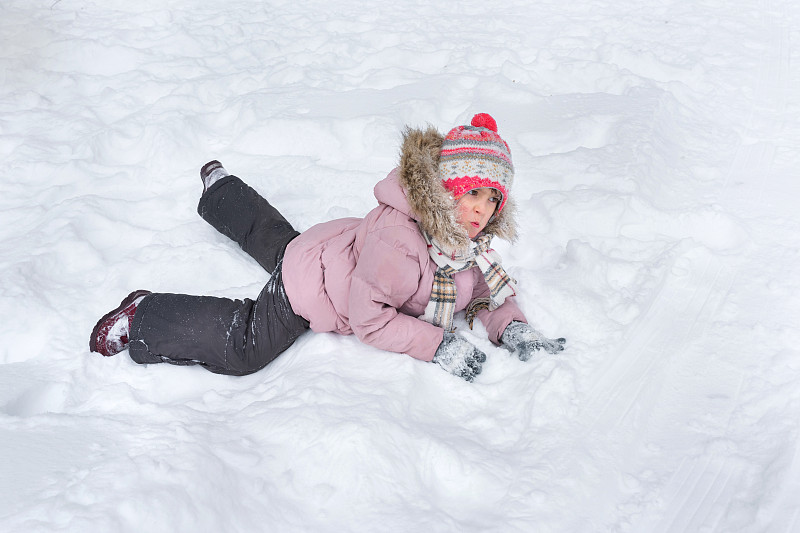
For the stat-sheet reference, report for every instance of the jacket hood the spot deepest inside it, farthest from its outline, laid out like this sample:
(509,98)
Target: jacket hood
(431,204)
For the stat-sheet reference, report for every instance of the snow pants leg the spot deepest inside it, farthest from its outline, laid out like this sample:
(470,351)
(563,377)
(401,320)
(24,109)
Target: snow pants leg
(240,213)
(225,336)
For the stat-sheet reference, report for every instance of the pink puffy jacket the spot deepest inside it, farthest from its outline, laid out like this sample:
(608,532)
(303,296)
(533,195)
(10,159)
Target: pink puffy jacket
(374,276)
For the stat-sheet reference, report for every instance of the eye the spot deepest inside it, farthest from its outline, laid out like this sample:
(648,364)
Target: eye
(473,192)
(495,199)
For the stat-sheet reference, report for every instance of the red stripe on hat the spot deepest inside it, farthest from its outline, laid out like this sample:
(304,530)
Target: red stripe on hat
(463,184)
(474,150)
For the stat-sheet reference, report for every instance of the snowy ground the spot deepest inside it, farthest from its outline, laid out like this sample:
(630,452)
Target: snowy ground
(656,146)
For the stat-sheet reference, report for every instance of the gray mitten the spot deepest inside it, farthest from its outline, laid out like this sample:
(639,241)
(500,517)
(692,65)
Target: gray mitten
(459,357)
(523,340)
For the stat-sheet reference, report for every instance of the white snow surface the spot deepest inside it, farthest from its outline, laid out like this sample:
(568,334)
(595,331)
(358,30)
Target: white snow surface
(656,150)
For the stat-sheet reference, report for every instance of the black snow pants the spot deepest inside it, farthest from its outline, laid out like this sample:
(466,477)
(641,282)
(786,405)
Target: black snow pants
(234,337)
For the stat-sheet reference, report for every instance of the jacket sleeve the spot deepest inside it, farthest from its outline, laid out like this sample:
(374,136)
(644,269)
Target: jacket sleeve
(496,321)
(387,274)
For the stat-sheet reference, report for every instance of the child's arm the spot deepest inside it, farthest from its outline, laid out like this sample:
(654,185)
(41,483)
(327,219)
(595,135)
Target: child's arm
(498,320)
(508,326)
(387,274)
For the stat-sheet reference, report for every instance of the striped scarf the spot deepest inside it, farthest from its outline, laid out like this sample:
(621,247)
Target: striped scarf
(441,307)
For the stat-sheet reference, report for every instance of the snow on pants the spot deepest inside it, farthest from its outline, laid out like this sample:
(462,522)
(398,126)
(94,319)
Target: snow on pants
(225,336)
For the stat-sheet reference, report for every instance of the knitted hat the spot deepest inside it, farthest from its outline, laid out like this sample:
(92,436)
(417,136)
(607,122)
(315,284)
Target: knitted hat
(475,156)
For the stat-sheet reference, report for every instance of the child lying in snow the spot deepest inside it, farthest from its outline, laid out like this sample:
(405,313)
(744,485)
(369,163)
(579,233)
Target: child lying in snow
(394,278)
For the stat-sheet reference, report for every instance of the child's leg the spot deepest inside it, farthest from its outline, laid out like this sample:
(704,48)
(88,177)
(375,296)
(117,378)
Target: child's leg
(239,212)
(234,337)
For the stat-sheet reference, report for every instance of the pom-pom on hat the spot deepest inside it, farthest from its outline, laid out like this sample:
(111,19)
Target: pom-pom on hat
(475,156)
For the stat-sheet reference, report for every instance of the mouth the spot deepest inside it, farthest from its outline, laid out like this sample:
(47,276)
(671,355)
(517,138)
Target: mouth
(475,224)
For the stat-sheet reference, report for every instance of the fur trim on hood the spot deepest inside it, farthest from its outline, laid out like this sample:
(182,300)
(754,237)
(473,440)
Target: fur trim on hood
(433,206)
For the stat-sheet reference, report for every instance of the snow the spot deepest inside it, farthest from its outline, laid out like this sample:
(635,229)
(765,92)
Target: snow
(656,152)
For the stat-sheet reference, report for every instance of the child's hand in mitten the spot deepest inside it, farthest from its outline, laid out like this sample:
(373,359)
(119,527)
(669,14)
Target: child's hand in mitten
(459,357)
(523,340)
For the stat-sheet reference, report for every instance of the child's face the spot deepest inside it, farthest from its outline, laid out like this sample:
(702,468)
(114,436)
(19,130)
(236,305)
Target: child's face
(476,207)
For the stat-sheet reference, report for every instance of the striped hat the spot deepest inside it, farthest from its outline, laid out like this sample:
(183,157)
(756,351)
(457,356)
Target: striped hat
(475,156)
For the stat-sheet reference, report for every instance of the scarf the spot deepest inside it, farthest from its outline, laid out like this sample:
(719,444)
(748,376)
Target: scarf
(441,307)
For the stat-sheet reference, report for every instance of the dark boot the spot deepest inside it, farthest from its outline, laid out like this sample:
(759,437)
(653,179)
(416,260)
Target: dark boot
(211,173)
(111,333)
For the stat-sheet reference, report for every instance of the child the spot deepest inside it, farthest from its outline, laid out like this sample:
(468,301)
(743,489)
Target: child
(394,278)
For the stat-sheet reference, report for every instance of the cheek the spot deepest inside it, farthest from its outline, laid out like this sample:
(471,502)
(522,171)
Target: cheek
(462,208)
